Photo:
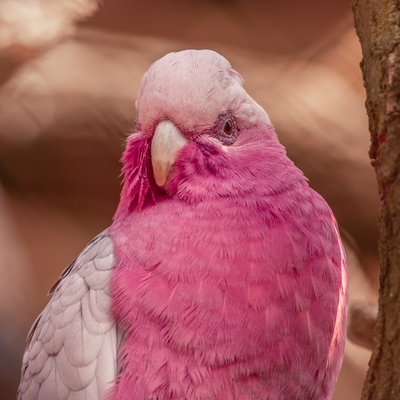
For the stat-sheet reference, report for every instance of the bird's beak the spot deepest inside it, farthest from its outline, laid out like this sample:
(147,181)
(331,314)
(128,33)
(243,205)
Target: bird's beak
(166,143)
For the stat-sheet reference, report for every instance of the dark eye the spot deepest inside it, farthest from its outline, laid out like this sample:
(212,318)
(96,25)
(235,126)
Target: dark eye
(228,128)
(225,129)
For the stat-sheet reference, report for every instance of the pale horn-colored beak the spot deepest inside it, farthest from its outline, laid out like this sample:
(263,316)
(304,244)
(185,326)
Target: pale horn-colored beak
(166,143)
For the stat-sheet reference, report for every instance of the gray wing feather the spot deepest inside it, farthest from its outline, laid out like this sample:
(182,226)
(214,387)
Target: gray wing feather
(73,344)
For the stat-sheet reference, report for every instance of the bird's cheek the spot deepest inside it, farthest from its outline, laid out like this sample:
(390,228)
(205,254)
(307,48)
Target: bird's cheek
(186,171)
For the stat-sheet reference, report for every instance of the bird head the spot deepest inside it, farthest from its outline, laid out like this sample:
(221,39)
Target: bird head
(199,134)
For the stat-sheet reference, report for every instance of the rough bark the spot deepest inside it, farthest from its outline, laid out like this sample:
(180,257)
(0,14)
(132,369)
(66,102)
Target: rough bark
(378,27)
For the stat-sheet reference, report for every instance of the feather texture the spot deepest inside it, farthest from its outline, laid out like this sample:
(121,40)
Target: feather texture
(72,349)
(234,286)
(229,281)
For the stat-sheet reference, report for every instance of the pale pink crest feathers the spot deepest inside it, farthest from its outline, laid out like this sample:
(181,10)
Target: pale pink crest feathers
(192,88)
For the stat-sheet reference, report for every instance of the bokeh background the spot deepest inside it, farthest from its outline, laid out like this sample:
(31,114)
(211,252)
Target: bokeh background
(69,75)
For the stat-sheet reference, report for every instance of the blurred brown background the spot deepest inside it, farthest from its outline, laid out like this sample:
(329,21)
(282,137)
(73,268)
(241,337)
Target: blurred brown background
(69,75)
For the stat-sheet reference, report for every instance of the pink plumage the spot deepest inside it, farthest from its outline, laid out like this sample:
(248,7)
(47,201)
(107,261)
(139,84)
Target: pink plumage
(228,278)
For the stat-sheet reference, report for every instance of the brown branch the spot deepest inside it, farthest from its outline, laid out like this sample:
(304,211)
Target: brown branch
(378,27)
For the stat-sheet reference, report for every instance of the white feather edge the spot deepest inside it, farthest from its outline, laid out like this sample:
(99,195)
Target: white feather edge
(72,353)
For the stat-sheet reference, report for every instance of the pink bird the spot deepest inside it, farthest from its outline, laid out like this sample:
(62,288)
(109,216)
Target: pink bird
(222,275)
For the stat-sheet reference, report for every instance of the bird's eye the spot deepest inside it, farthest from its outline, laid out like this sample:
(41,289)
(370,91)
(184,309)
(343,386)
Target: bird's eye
(228,128)
(225,128)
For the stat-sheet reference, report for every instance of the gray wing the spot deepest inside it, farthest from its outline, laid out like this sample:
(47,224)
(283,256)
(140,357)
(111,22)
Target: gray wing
(72,352)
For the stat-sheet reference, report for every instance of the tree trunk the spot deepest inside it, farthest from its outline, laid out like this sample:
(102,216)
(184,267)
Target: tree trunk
(378,27)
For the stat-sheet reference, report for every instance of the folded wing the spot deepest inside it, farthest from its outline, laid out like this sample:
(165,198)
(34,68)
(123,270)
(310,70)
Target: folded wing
(72,347)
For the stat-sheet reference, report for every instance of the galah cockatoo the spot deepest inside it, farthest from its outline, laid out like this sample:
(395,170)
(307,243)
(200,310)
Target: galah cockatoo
(222,275)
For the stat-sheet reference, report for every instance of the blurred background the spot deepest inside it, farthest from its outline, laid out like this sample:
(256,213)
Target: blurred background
(69,76)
